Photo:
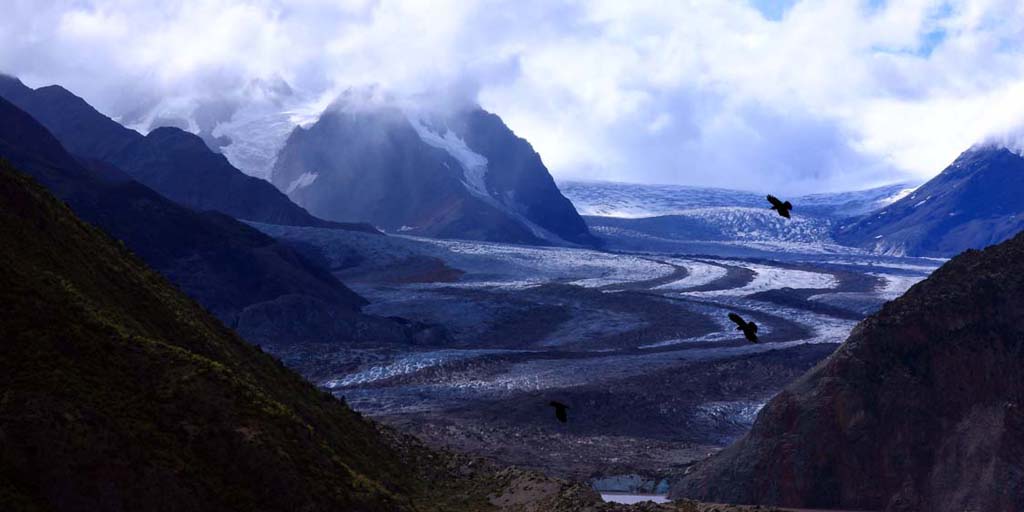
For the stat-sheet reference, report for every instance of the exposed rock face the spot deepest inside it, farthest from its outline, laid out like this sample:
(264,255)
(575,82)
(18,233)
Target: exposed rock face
(175,163)
(460,176)
(922,408)
(973,203)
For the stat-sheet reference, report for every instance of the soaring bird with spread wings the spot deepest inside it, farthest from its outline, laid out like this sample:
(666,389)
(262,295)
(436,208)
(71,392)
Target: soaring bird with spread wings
(749,328)
(779,206)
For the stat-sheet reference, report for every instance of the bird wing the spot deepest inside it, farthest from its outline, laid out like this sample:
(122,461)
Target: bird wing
(774,201)
(737,319)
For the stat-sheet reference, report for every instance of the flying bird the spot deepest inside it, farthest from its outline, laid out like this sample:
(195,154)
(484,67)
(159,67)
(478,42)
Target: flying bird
(749,328)
(560,410)
(779,206)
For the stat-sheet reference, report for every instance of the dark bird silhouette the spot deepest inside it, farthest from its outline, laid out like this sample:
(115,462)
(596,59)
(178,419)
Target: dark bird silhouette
(779,206)
(560,410)
(749,328)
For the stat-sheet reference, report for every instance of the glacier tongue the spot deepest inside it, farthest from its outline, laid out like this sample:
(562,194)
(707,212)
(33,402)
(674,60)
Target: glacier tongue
(256,137)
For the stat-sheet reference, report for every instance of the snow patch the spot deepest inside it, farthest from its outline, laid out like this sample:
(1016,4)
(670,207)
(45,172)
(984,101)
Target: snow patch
(303,181)
(896,285)
(474,165)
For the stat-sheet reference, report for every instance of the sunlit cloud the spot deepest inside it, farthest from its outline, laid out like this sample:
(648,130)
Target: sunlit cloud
(792,95)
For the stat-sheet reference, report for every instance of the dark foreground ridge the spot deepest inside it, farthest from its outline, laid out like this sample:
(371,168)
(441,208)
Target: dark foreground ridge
(120,393)
(922,408)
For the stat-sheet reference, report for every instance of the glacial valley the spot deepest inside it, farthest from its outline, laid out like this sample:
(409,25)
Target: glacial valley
(637,344)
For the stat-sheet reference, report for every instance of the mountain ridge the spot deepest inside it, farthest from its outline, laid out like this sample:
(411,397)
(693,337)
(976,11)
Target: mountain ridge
(971,204)
(172,161)
(244,277)
(922,408)
(463,175)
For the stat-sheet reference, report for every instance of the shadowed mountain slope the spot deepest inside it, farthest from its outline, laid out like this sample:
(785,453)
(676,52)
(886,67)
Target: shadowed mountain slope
(922,408)
(171,161)
(122,394)
(460,176)
(973,203)
(247,279)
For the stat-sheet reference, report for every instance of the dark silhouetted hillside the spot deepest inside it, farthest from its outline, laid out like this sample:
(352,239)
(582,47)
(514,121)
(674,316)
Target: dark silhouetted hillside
(922,408)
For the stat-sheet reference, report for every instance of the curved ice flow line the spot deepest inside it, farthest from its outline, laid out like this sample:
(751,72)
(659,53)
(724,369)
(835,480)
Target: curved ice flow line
(590,269)
(536,375)
(407,364)
(770,278)
(698,274)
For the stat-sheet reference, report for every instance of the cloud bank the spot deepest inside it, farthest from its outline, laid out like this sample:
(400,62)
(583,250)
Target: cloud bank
(798,96)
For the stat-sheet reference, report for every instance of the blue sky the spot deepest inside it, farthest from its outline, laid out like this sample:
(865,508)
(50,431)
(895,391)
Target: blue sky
(794,95)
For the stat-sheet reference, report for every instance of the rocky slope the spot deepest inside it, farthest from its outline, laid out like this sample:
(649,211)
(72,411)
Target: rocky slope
(175,163)
(973,203)
(464,175)
(244,277)
(922,408)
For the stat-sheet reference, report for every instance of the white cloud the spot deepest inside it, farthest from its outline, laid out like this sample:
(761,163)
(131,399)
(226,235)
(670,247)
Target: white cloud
(822,95)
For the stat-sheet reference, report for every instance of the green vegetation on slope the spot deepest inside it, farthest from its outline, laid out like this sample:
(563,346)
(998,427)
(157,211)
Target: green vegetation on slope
(117,392)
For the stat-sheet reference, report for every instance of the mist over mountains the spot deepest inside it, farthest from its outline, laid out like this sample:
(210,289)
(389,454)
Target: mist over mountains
(451,175)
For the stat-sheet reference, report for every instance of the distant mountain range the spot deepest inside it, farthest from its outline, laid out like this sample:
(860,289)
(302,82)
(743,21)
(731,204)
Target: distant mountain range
(632,200)
(175,163)
(262,288)
(458,175)
(975,202)
(922,408)
(672,218)
(372,159)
